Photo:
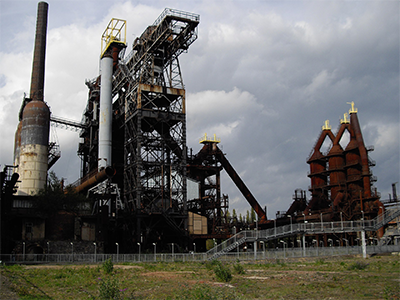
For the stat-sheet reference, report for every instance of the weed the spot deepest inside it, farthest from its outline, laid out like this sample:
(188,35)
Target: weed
(280,263)
(210,265)
(389,293)
(223,273)
(267,265)
(358,265)
(203,292)
(108,266)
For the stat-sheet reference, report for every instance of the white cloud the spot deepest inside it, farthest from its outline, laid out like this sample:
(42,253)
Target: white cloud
(219,112)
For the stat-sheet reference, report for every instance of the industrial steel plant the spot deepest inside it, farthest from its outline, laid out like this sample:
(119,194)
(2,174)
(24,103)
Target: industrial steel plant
(136,166)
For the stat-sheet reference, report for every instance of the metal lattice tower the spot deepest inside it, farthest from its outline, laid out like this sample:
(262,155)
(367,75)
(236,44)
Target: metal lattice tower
(150,106)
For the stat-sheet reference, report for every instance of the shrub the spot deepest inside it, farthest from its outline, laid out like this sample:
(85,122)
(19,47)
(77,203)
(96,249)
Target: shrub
(223,273)
(108,266)
(108,289)
(239,269)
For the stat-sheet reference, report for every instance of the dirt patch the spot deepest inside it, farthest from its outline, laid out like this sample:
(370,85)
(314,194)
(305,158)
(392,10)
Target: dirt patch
(221,284)
(123,267)
(127,267)
(5,289)
(168,275)
(257,277)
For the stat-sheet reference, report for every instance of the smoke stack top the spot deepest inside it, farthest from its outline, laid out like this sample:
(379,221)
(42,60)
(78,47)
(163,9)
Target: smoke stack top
(37,80)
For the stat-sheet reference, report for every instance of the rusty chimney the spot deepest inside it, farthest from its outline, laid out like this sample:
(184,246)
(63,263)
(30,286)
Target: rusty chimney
(37,80)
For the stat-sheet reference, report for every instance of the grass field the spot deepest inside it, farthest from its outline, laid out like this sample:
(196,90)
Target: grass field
(377,277)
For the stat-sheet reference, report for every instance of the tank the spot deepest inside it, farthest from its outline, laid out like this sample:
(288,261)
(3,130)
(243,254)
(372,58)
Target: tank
(33,157)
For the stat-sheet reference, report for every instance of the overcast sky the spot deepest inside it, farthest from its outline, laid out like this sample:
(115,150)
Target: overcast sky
(263,76)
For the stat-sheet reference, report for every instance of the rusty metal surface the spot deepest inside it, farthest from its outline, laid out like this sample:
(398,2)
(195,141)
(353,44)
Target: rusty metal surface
(95,179)
(17,143)
(336,163)
(35,124)
(37,80)
(201,166)
(363,154)
(341,179)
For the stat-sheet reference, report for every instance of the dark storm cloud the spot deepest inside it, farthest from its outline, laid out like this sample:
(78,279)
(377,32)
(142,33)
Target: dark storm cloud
(263,76)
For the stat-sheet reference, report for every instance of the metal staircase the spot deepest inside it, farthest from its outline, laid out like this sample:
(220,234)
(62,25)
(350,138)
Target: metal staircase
(302,228)
(389,215)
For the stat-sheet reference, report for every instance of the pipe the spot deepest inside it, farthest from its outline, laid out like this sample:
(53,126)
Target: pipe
(96,179)
(105,122)
(394,191)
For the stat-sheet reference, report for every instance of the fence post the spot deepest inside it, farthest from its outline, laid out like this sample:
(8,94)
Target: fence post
(363,244)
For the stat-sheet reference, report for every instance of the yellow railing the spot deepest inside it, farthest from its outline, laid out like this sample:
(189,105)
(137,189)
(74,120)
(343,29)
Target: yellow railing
(352,110)
(206,139)
(345,119)
(326,126)
(114,33)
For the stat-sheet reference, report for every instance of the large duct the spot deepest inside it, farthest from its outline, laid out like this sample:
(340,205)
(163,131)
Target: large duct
(34,137)
(97,178)
(105,122)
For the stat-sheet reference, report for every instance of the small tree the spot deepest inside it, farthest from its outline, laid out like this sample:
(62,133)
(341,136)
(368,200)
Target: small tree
(108,266)
(209,244)
(228,216)
(223,273)
(54,198)
(252,216)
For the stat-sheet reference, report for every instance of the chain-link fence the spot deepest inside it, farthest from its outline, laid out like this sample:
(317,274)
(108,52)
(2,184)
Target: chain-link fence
(281,253)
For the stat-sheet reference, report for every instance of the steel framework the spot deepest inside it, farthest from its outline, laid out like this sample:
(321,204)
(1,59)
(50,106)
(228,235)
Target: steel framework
(149,124)
(155,122)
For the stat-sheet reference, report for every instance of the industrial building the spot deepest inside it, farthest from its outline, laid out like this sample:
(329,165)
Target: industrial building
(136,166)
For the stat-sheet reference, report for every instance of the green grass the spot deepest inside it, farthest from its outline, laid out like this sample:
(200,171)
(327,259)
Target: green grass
(333,278)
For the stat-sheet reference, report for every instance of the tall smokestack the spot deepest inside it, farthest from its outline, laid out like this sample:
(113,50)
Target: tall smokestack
(37,79)
(34,139)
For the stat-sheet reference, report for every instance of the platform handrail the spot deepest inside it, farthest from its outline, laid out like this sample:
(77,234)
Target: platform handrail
(303,228)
